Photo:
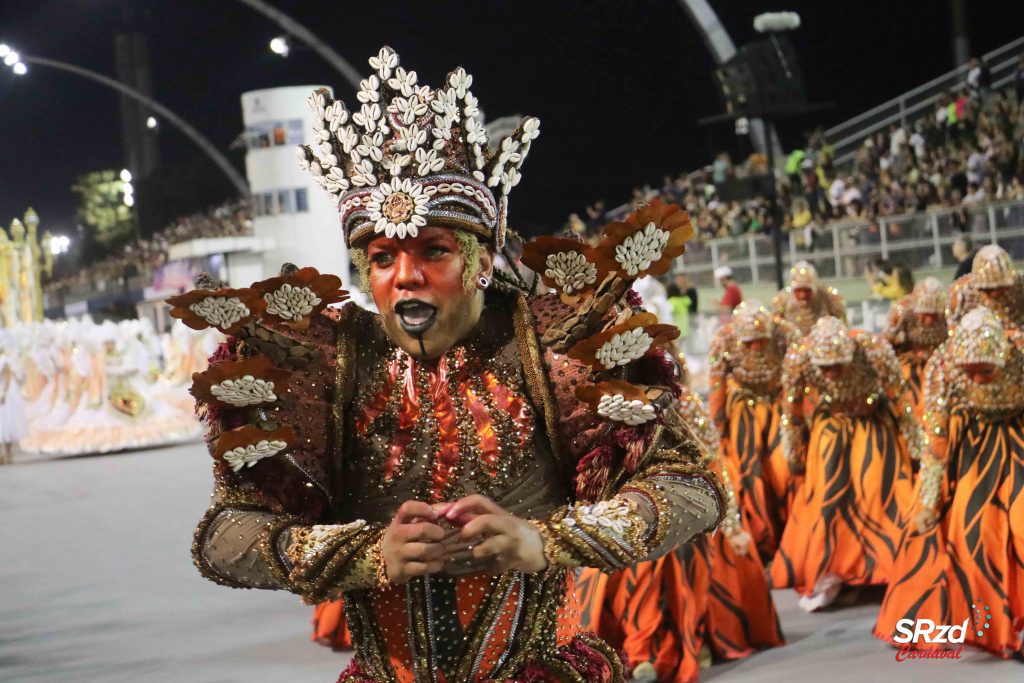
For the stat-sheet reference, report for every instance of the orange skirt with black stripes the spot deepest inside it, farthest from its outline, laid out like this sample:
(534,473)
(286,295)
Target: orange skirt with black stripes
(912,368)
(970,567)
(329,627)
(667,611)
(764,485)
(848,514)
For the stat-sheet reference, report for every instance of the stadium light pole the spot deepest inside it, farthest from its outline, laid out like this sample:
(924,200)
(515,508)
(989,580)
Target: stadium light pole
(18,67)
(721,46)
(303,34)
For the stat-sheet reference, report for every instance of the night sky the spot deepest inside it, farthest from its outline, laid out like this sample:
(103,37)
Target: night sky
(618,84)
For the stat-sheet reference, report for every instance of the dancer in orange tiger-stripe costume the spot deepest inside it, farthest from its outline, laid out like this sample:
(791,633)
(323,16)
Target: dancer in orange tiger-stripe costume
(917,325)
(992,283)
(806,299)
(709,597)
(746,404)
(844,418)
(962,560)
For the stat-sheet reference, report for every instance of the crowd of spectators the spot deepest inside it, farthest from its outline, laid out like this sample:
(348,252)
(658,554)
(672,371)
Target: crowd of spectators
(968,150)
(139,258)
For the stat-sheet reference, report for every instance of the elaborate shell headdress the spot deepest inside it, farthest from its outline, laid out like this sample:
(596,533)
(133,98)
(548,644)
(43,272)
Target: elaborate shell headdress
(929,296)
(992,267)
(751,320)
(412,155)
(830,342)
(980,338)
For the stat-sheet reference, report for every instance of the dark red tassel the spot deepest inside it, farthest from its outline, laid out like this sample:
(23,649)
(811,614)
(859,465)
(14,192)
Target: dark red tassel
(592,473)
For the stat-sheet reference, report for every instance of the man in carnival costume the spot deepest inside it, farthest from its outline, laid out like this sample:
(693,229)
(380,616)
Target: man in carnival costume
(916,327)
(806,299)
(992,283)
(846,422)
(442,467)
(961,559)
(746,402)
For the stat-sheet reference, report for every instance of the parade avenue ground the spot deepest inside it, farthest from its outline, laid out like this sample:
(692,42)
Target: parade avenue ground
(98,585)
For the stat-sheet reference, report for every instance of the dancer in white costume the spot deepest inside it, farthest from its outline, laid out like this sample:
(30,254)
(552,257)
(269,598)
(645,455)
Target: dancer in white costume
(105,391)
(12,407)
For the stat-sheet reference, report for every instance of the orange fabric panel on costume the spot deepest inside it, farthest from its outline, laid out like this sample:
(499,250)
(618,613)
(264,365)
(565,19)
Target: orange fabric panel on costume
(849,513)
(973,562)
(655,611)
(329,626)
(912,368)
(758,468)
(741,613)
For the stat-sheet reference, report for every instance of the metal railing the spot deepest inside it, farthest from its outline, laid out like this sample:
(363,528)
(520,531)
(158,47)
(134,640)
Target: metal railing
(847,136)
(843,249)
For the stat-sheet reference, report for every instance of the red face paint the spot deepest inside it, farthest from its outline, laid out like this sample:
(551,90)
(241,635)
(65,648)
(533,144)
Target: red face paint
(980,373)
(831,372)
(417,285)
(756,344)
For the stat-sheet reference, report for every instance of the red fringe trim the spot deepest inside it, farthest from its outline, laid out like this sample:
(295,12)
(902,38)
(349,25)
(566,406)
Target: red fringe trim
(635,441)
(592,472)
(658,368)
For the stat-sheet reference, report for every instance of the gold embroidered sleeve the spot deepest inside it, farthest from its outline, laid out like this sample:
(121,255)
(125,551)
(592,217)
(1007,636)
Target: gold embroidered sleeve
(779,304)
(732,523)
(895,330)
(327,559)
(239,543)
(836,304)
(887,366)
(676,493)
(669,500)
(690,408)
(961,301)
(242,544)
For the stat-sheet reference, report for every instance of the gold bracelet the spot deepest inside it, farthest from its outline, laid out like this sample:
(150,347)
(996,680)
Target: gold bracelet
(552,548)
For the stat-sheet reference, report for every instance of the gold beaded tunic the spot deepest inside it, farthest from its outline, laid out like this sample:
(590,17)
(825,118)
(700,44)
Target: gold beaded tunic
(361,427)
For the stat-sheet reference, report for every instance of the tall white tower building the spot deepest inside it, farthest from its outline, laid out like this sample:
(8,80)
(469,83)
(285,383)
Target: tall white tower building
(292,215)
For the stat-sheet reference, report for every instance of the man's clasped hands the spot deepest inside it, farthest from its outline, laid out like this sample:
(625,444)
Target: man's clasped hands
(471,535)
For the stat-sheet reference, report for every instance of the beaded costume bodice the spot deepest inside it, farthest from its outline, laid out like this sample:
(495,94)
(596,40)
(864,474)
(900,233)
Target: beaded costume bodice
(439,430)
(1001,398)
